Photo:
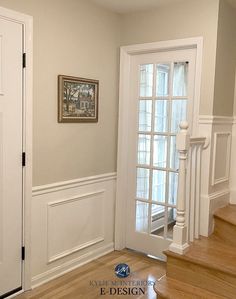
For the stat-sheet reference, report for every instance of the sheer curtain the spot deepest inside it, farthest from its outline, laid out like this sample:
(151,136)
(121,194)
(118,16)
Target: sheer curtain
(180,79)
(180,85)
(142,217)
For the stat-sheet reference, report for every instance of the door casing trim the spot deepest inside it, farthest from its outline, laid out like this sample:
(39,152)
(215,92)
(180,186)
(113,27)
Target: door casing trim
(126,54)
(27,23)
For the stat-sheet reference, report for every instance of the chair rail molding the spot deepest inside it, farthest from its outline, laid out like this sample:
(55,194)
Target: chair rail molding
(216,120)
(44,189)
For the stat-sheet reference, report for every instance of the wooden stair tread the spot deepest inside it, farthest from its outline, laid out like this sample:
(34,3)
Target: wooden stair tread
(210,253)
(208,268)
(227,214)
(169,288)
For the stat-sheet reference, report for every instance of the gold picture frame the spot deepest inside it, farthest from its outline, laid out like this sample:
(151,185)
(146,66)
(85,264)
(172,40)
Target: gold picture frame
(77,99)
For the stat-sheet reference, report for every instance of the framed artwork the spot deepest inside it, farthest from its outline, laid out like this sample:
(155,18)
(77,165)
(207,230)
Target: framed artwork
(77,99)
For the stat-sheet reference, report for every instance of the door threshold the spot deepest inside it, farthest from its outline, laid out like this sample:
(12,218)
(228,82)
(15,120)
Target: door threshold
(157,258)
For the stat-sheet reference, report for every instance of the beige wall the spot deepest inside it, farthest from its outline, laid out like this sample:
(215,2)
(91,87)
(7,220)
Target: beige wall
(75,37)
(225,61)
(182,20)
(72,37)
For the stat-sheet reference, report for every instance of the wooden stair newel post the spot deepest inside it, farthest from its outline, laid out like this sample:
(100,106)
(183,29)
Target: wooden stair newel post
(180,239)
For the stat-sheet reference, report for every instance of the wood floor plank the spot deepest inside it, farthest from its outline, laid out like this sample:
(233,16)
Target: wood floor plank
(76,284)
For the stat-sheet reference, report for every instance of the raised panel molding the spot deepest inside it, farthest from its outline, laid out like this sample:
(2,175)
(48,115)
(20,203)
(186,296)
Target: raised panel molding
(83,223)
(72,224)
(213,191)
(221,157)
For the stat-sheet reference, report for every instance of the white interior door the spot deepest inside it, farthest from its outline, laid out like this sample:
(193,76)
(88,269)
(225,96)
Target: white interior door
(11,39)
(161,95)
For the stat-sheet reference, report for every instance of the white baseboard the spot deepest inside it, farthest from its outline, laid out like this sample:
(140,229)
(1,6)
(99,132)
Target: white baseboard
(222,194)
(71,265)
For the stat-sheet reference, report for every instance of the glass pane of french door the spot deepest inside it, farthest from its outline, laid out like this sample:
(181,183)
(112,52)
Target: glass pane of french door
(163,100)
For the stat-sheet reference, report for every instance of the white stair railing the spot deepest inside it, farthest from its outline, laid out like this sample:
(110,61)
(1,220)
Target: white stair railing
(189,189)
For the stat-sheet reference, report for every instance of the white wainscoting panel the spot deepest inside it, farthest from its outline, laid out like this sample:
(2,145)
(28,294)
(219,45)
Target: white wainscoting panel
(85,213)
(1,187)
(221,157)
(72,224)
(215,168)
(233,166)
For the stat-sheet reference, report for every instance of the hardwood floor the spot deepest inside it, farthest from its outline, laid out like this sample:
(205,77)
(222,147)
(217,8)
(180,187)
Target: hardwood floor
(208,269)
(81,283)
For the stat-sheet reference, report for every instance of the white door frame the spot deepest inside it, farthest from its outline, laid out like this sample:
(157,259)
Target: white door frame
(27,22)
(126,54)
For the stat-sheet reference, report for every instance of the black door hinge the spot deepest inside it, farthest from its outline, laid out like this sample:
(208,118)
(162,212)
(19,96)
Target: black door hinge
(23,159)
(24,60)
(23,253)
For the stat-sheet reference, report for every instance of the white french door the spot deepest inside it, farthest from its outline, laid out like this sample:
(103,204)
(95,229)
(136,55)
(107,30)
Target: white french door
(161,95)
(11,178)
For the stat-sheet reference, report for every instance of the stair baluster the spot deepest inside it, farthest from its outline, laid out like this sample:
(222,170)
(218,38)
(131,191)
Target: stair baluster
(180,238)
(189,189)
